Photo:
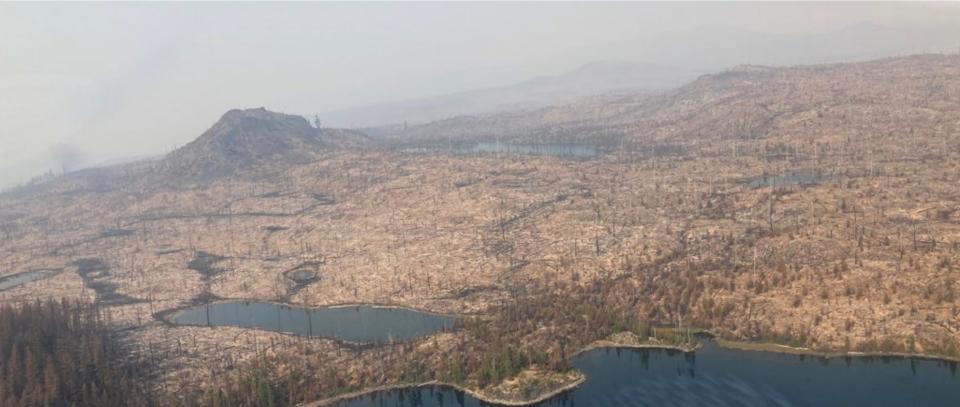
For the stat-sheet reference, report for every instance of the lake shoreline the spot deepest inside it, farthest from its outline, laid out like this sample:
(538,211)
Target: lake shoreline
(165,315)
(608,344)
(792,350)
(331,401)
(168,317)
(632,342)
(42,274)
(605,344)
(581,378)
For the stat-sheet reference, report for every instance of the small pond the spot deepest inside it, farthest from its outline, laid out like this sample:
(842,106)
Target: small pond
(360,324)
(19,279)
(301,275)
(569,150)
(715,376)
(792,178)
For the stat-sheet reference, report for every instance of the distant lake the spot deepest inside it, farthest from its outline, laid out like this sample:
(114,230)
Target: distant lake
(362,324)
(15,280)
(792,178)
(572,150)
(715,376)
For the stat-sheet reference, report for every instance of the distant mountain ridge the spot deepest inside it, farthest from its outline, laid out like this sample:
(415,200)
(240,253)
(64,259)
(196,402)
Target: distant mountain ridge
(672,60)
(712,49)
(588,80)
(816,103)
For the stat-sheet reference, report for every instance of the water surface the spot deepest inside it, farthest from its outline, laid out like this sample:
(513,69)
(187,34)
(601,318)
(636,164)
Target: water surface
(714,376)
(570,150)
(362,324)
(792,178)
(15,280)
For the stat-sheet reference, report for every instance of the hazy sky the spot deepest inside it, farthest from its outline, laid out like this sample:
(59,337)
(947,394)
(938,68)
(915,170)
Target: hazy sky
(85,83)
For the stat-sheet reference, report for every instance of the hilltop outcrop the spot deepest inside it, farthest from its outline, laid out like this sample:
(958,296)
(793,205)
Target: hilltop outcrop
(245,141)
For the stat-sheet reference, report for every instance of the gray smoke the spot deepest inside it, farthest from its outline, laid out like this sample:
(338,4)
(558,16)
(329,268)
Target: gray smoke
(66,157)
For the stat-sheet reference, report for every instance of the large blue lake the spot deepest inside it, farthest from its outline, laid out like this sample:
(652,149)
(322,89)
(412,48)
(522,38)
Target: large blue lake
(362,324)
(715,376)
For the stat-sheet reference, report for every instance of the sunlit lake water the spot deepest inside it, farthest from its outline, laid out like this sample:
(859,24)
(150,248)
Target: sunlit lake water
(362,324)
(15,280)
(715,376)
